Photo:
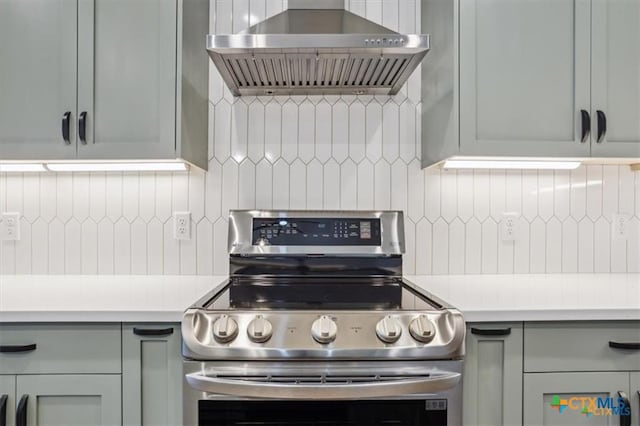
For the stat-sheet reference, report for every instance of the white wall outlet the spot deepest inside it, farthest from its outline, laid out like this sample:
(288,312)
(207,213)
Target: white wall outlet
(509,226)
(10,227)
(619,226)
(182,225)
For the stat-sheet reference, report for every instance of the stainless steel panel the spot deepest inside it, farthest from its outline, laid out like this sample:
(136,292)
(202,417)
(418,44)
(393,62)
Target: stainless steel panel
(241,233)
(356,338)
(319,387)
(320,19)
(316,64)
(344,369)
(315,4)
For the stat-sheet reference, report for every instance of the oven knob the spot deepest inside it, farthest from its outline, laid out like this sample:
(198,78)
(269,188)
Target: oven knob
(422,329)
(324,330)
(259,330)
(225,329)
(388,329)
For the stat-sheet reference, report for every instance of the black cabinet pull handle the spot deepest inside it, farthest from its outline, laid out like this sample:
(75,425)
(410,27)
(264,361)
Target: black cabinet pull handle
(620,345)
(66,122)
(82,127)
(3,410)
(491,332)
(586,125)
(21,411)
(625,420)
(602,125)
(17,348)
(152,331)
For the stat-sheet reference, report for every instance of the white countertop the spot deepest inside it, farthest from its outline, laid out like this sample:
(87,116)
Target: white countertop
(544,297)
(82,298)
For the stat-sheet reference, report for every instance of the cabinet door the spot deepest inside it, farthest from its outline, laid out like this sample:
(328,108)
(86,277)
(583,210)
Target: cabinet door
(152,374)
(634,396)
(546,394)
(493,375)
(7,399)
(71,400)
(37,78)
(127,78)
(524,77)
(616,77)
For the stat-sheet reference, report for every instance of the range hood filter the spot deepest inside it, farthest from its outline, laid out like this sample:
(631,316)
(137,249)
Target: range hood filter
(316,51)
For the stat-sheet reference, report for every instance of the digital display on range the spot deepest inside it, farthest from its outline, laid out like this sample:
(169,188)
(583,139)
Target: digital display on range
(316,232)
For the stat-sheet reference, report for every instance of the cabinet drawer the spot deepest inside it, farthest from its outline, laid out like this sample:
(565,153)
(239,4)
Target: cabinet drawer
(60,348)
(581,346)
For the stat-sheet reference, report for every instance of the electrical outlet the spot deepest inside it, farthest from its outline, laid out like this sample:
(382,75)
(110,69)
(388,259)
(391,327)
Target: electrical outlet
(182,225)
(619,226)
(509,226)
(10,227)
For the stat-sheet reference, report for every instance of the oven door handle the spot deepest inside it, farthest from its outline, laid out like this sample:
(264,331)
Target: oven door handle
(245,387)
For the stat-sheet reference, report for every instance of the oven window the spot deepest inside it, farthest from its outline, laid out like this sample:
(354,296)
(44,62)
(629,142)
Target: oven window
(335,413)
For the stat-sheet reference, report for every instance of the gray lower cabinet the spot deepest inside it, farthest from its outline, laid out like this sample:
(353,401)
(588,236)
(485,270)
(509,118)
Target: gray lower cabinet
(581,346)
(566,361)
(546,394)
(7,399)
(151,374)
(37,78)
(634,395)
(493,375)
(70,400)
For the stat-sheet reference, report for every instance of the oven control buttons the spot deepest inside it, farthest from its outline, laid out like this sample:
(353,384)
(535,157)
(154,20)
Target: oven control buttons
(324,330)
(388,329)
(225,329)
(259,330)
(422,329)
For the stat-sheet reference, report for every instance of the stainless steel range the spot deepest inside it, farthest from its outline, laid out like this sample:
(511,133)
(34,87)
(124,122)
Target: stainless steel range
(316,326)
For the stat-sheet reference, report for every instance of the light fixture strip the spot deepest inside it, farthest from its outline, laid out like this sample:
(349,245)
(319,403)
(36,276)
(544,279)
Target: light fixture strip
(118,167)
(511,164)
(22,168)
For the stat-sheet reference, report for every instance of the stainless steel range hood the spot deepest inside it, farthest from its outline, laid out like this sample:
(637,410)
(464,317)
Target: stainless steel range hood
(316,47)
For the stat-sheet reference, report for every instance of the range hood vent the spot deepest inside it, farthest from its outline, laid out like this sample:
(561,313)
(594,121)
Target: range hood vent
(316,47)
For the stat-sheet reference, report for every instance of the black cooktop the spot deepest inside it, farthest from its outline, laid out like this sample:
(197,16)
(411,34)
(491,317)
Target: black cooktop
(320,293)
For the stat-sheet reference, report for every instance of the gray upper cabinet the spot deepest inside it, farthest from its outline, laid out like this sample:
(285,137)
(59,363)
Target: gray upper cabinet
(70,400)
(526,78)
(127,78)
(37,78)
(521,87)
(133,76)
(616,78)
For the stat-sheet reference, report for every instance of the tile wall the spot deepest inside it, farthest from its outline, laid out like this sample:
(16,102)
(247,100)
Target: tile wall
(321,153)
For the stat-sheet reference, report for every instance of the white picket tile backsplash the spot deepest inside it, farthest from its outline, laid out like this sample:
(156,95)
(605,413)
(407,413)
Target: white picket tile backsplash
(319,152)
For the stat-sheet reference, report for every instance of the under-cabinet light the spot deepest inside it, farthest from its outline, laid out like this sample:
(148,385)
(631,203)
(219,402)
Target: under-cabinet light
(510,164)
(22,167)
(118,167)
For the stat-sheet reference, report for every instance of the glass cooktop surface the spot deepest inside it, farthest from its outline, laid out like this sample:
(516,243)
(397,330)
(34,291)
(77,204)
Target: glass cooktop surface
(295,293)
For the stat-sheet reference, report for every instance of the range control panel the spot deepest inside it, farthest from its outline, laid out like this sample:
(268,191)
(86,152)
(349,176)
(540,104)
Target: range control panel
(316,232)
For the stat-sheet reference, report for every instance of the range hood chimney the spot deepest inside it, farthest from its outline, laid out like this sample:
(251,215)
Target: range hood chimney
(316,47)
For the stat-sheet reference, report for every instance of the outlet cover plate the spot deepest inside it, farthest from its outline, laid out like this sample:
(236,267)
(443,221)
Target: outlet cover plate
(182,226)
(10,226)
(509,226)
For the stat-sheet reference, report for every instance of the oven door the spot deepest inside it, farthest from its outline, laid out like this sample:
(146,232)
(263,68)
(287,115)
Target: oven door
(294,393)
